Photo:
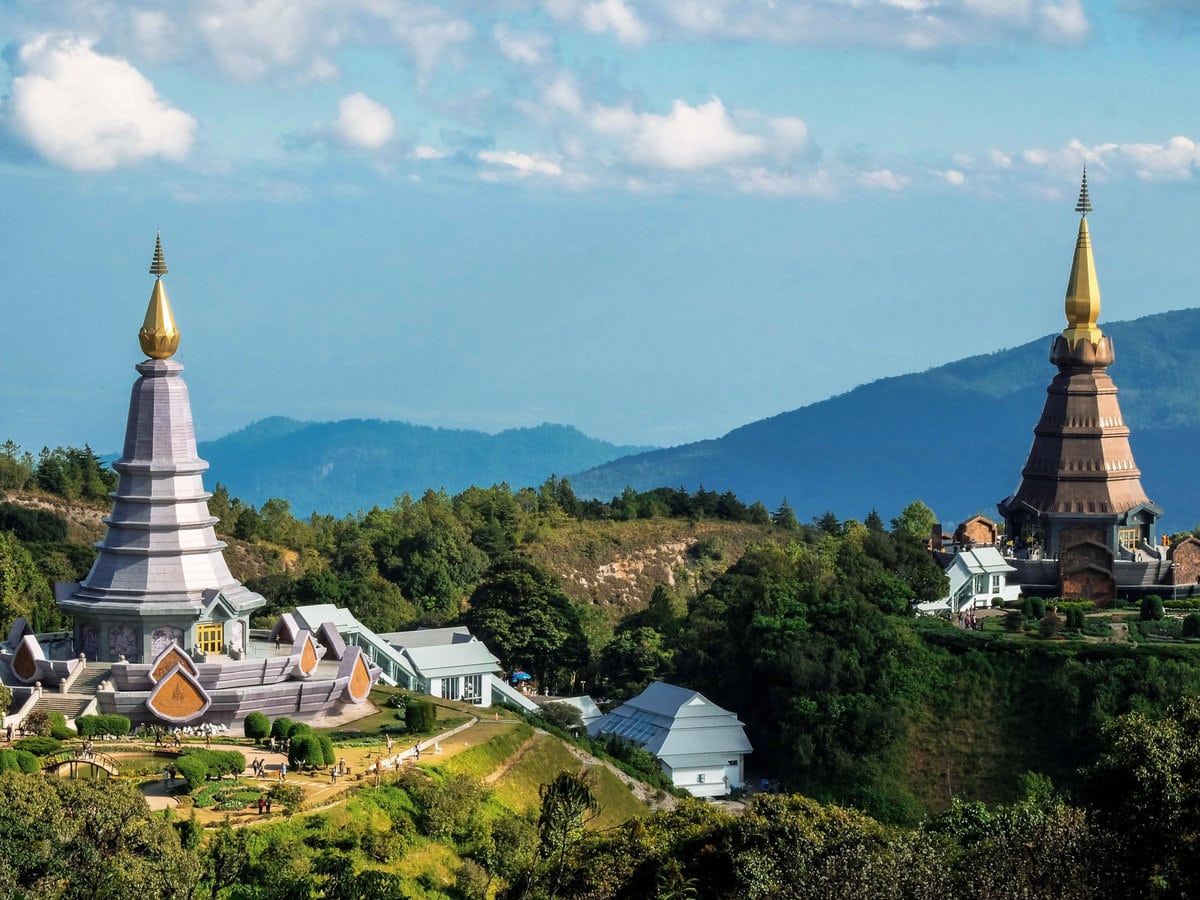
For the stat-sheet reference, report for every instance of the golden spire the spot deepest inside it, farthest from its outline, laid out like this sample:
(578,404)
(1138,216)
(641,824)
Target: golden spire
(1083,291)
(159,337)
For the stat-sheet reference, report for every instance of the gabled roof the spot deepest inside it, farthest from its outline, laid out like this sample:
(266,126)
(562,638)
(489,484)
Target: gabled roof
(429,637)
(677,725)
(313,617)
(467,658)
(983,561)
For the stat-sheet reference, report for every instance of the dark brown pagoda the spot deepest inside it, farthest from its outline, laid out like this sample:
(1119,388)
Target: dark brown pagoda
(1081,500)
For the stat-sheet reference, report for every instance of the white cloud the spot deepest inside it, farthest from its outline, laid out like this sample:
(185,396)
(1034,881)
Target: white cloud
(600,16)
(915,25)
(954,177)
(883,179)
(695,137)
(522,164)
(88,112)
(529,47)
(1176,159)
(424,152)
(363,122)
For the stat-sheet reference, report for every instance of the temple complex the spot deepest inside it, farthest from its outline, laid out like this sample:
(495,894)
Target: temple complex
(161,627)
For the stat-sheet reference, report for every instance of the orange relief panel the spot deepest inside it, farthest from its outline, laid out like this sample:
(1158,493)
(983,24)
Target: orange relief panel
(172,657)
(178,697)
(360,680)
(308,656)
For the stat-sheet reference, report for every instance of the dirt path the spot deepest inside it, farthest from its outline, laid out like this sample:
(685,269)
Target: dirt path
(644,792)
(514,759)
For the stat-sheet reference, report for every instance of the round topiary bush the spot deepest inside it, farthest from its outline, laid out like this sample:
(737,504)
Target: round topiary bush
(1191,625)
(257,726)
(1034,608)
(1152,609)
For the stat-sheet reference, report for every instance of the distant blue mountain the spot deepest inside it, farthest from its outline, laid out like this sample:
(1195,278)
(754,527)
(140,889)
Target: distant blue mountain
(341,467)
(956,436)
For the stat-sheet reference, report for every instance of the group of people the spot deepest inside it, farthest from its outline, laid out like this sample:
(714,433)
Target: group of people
(258,767)
(264,804)
(969,620)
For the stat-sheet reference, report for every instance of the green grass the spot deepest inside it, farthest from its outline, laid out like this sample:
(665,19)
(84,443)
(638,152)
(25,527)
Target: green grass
(483,759)
(520,787)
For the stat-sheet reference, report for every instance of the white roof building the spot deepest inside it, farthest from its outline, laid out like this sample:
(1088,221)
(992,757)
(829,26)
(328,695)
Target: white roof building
(701,746)
(450,662)
(445,662)
(976,574)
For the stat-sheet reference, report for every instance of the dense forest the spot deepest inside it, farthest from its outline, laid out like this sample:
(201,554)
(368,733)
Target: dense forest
(976,764)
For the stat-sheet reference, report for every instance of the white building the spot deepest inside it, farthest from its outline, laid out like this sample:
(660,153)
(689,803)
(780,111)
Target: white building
(450,663)
(976,576)
(699,745)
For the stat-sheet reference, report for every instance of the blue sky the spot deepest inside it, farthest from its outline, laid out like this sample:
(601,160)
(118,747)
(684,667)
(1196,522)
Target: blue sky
(653,219)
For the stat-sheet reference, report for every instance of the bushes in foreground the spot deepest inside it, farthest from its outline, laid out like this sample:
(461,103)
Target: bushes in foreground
(101,725)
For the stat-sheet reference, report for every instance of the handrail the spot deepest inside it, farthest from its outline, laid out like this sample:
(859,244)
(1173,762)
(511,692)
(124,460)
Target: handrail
(100,760)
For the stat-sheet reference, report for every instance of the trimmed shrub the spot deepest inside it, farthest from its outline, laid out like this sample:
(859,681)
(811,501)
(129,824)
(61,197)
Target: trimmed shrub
(58,727)
(281,728)
(97,726)
(38,746)
(997,602)
(1051,624)
(328,757)
(420,716)
(18,761)
(1152,609)
(1191,625)
(197,766)
(1034,607)
(193,769)
(306,749)
(1014,621)
(257,726)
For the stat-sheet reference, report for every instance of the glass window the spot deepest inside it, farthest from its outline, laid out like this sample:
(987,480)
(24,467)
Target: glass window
(473,688)
(995,584)
(981,584)
(450,688)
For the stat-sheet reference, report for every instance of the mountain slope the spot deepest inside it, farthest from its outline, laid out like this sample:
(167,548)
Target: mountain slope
(340,467)
(956,436)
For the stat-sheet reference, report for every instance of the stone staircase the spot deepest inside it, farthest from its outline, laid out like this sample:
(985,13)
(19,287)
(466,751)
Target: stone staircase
(67,704)
(88,681)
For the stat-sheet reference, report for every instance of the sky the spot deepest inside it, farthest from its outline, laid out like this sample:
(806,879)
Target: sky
(655,220)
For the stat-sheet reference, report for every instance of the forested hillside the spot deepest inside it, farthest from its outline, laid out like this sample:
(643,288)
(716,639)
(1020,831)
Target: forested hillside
(956,435)
(803,629)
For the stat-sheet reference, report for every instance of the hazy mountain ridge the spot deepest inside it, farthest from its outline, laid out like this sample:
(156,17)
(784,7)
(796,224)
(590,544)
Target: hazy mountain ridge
(340,467)
(956,436)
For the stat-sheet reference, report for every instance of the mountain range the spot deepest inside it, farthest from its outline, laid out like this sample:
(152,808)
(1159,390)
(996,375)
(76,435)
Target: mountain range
(955,436)
(342,467)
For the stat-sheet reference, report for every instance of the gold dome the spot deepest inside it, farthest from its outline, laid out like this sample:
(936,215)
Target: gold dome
(159,337)
(1083,290)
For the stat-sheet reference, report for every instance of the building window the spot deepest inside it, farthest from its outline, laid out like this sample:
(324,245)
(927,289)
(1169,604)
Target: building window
(210,638)
(996,584)
(1129,538)
(450,688)
(700,778)
(473,688)
(981,584)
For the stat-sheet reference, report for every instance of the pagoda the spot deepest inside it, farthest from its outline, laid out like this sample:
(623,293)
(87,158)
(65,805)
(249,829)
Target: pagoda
(160,577)
(160,624)
(1080,501)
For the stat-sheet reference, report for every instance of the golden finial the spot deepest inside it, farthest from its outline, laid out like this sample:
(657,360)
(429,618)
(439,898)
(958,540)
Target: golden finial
(159,337)
(1083,290)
